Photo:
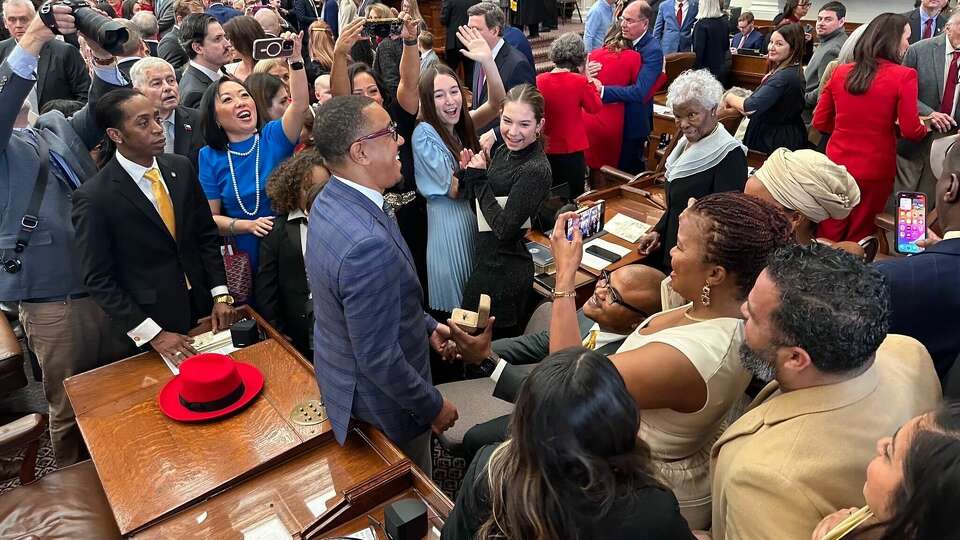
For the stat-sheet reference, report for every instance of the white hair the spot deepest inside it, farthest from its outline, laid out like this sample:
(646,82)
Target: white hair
(142,67)
(709,9)
(695,85)
(22,3)
(846,50)
(146,22)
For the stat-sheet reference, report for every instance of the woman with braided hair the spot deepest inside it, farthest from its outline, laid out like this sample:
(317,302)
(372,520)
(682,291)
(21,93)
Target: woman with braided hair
(682,366)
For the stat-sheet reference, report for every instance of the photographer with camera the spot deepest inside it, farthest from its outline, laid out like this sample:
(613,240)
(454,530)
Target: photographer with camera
(42,166)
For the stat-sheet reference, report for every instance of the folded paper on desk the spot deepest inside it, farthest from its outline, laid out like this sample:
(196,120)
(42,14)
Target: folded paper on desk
(626,227)
(596,264)
(482,224)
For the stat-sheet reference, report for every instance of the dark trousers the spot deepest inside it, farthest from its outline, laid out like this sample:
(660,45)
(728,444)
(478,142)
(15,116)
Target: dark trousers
(631,156)
(490,432)
(569,169)
(454,60)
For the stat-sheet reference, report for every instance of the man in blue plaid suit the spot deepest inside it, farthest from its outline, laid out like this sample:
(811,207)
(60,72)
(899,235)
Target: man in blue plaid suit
(371,333)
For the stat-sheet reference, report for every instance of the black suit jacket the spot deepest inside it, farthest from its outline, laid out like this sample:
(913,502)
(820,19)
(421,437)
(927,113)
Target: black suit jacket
(283,296)
(187,135)
(61,72)
(916,32)
(514,70)
(193,83)
(131,265)
(125,66)
(523,351)
(170,49)
(453,15)
(925,299)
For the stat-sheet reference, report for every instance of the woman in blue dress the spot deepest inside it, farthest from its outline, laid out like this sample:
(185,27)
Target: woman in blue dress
(242,150)
(445,130)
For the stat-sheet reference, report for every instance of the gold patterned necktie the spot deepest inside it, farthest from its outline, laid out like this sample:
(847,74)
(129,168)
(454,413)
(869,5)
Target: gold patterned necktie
(590,341)
(164,204)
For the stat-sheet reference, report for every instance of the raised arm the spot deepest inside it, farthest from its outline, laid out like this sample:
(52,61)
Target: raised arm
(564,327)
(478,51)
(299,92)
(349,36)
(407,93)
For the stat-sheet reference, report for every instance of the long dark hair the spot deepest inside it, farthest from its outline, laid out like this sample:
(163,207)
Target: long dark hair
(788,9)
(264,87)
(880,41)
(926,502)
(109,114)
(793,35)
(357,68)
(573,450)
(464,129)
(215,136)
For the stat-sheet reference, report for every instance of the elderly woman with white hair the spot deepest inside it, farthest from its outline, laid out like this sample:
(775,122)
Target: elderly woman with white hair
(809,188)
(705,160)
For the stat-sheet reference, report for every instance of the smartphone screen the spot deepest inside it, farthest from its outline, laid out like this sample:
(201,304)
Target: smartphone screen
(589,219)
(911,221)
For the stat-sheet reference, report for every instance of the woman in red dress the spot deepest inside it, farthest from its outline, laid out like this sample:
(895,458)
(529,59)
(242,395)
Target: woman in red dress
(861,106)
(620,67)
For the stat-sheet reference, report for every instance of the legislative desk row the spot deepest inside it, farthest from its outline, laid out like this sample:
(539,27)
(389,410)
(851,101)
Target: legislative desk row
(261,473)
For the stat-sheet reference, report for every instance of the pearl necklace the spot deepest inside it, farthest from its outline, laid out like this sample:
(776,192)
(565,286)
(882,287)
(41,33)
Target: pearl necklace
(256,178)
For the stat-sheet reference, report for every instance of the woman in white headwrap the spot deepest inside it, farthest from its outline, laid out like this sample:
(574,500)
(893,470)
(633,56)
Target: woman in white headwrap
(705,160)
(810,188)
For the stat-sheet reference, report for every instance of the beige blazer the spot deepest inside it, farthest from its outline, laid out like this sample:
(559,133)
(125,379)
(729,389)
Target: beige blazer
(795,457)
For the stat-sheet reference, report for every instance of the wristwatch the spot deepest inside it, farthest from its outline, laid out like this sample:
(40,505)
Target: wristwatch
(489,363)
(296,66)
(223,299)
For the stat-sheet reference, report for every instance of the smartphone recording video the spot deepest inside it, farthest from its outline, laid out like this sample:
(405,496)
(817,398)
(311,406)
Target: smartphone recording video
(589,219)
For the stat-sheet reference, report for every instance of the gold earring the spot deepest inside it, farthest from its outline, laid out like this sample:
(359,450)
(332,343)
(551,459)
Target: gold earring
(705,295)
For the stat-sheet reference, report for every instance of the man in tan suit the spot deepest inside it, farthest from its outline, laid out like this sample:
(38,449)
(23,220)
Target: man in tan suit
(817,320)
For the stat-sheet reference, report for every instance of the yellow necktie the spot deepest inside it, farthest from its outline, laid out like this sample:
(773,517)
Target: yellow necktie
(164,204)
(590,341)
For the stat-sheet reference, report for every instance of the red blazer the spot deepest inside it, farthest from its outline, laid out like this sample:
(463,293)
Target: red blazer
(864,127)
(566,95)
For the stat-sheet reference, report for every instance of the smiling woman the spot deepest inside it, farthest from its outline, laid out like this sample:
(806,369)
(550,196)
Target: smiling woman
(243,148)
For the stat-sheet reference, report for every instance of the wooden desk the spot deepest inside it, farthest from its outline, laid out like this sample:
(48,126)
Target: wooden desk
(747,71)
(166,479)
(624,199)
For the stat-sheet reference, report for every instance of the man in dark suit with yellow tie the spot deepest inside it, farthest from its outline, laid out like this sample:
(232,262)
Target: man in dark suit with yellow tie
(148,247)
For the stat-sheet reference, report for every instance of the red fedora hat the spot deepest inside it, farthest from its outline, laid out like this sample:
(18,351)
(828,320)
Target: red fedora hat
(209,386)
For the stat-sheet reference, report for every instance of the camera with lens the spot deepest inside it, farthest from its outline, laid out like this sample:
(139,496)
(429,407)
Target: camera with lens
(381,28)
(106,32)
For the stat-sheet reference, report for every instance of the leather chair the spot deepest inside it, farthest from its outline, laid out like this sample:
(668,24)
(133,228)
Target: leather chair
(68,504)
(11,359)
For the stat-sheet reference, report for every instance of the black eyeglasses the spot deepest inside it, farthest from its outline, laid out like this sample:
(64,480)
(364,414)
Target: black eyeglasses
(615,295)
(391,129)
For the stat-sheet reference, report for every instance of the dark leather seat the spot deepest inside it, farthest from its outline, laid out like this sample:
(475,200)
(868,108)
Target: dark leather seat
(66,504)
(11,358)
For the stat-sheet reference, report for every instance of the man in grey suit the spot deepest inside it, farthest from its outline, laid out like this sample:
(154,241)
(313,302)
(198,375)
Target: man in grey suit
(371,334)
(830,32)
(620,302)
(931,58)
(64,327)
(169,47)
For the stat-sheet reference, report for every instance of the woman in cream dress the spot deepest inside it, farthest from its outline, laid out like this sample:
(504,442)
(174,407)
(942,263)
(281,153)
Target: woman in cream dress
(682,366)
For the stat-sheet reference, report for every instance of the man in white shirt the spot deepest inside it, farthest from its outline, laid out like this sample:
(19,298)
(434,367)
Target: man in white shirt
(156,79)
(148,247)
(209,50)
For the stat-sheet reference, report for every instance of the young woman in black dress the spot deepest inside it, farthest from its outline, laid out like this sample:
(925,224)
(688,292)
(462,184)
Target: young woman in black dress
(519,171)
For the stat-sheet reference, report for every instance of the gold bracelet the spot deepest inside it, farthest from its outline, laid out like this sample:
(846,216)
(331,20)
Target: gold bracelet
(564,294)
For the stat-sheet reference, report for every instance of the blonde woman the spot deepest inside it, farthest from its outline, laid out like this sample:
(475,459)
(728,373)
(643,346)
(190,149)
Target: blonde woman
(321,50)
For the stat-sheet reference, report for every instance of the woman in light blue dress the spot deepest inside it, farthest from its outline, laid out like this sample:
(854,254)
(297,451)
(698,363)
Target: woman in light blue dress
(443,140)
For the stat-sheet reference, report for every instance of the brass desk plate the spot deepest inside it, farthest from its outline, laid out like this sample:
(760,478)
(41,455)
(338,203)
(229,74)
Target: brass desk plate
(309,413)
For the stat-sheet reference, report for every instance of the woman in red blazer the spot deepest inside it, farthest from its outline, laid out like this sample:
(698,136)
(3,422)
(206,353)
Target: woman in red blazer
(567,94)
(861,106)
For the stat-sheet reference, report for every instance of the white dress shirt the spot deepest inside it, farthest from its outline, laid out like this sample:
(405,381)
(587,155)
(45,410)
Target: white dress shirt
(213,75)
(169,131)
(148,329)
(298,214)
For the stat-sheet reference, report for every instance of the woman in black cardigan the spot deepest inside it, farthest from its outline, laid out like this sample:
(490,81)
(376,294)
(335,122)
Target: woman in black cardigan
(711,40)
(706,160)
(573,467)
(518,171)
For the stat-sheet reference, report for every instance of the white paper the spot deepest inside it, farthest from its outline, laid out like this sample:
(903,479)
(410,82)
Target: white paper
(365,534)
(592,261)
(482,225)
(626,227)
(662,109)
(207,342)
(269,529)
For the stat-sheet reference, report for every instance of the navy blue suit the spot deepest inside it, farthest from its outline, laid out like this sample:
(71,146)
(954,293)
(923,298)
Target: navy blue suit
(925,296)
(372,356)
(638,113)
(222,13)
(754,40)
